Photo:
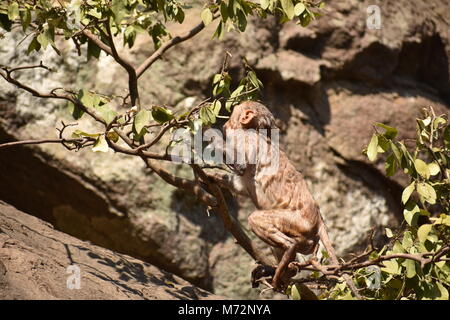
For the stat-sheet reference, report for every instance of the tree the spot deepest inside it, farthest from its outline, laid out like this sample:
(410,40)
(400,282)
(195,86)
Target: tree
(96,25)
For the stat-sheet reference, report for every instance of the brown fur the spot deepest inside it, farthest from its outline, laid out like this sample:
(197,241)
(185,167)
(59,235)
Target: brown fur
(288,218)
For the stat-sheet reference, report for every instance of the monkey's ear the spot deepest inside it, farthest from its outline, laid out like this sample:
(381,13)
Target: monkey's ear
(246,116)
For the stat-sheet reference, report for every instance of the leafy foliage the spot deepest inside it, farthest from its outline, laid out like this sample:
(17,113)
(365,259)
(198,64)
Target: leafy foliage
(427,162)
(95,24)
(415,262)
(46,19)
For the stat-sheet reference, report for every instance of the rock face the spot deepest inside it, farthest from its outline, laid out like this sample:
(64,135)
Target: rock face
(326,84)
(39,262)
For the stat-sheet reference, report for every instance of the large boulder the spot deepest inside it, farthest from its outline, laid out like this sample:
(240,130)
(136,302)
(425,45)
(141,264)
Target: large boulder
(326,84)
(39,262)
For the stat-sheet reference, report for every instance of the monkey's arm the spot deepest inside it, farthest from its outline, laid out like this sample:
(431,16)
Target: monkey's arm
(229,181)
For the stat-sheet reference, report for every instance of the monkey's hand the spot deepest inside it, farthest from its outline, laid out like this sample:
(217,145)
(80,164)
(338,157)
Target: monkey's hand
(220,177)
(229,181)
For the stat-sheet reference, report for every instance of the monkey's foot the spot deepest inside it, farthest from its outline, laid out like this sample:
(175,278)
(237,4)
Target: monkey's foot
(260,273)
(284,279)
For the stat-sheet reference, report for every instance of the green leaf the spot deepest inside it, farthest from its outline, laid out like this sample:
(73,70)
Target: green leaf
(426,122)
(141,119)
(233,98)
(264,4)
(5,23)
(288,8)
(106,113)
(216,79)
(447,136)
(86,98)
(206,16)
(207,115)
(75,110)
(407,241)
(242,21)
(396,152)
(411,213)
(410,266)
(299,8)
(407,192)
(119,10)
(389,233)
(13,11)
(25,19)
(129,36)
(43,39)
(438,121)
(79,133)
(398,248)
(372,148)
(34,45)
(224,11)
(383,144)
(427,192)
(95,13)
(423,231)
(434,168)
(443,219)
(100,145)
(220,31)
(216,106)
(407,162)
(390,133)
(422,168)
(295,292)
(391,266)
(180,16)
(391,165)
(443,292)
(93,50)
(161,115)
(254,79)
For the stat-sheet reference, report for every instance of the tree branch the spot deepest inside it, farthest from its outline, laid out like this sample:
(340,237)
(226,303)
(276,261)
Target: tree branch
(339,269)
(41,141)
(174,41)
(178,182)
(231,224)
(132,76)
(99,43)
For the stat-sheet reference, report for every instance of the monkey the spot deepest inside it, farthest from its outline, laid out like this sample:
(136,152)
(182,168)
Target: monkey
(287,217)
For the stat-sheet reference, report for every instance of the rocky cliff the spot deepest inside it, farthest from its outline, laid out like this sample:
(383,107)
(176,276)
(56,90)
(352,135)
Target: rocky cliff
(39,262)
(326,84)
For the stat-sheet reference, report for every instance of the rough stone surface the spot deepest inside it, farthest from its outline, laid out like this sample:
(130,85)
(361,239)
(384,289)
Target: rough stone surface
(37,262)
(326,84)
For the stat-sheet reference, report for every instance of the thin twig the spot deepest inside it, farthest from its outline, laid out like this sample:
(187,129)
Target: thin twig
(39,141)
(174,41)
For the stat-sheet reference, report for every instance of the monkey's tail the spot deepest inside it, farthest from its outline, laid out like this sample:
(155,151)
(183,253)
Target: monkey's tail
(323,234)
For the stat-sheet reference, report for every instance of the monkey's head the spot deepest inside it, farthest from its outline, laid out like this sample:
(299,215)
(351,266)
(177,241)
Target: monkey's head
(250,115)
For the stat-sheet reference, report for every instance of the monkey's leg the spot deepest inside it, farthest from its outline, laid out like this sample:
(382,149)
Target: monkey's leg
(288,257)
(282,229)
